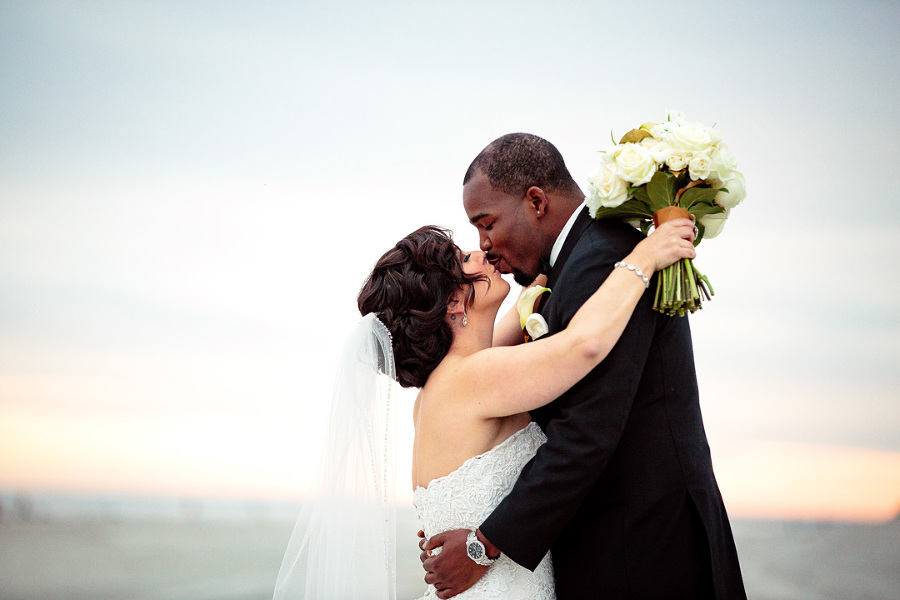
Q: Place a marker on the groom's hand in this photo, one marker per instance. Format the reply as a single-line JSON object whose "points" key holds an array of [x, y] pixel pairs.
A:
{"points": [[450, 571]]}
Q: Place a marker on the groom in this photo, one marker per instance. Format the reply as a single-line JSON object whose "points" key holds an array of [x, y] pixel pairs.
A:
{"points": [[623, 492]]}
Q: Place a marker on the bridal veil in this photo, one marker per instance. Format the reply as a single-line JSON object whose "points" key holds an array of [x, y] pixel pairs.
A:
{"points": [[343, 546]]}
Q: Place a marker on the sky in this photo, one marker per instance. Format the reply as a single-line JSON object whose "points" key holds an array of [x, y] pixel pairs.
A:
{"points": [[192, 193]]}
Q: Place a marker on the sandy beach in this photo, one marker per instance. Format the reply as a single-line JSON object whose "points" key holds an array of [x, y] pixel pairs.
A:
{"points": [[192, 557]]}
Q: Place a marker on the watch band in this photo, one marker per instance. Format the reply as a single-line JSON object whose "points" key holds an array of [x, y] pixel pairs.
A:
{"points": [[477, 552]]}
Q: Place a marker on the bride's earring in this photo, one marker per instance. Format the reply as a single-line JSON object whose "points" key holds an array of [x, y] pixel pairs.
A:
{"points": [[465, 320]]}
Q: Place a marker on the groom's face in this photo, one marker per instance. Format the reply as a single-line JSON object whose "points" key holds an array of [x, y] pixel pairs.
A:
{"points": [[505, 228]]}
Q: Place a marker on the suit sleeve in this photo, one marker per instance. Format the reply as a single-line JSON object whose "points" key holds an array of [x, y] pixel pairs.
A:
{"points": [[587, 426]]}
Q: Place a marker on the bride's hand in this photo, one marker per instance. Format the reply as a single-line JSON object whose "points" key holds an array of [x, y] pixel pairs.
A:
{"points": [[669, 243]]}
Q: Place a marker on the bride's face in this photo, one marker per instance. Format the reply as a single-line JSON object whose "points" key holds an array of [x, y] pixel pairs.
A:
{"points": [[476, 263]]}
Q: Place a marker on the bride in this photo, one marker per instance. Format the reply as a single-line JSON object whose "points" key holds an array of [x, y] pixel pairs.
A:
{"points": [[473, 433]]}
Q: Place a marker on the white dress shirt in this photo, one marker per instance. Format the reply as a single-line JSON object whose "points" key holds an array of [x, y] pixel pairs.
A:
{"points": [[558, 244]]}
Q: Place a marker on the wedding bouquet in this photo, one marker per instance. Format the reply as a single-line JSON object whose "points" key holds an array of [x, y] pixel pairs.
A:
{"points": [[662, 171]]}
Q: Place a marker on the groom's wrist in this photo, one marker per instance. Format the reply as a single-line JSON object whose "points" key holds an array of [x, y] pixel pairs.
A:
{"points": [[490, 550]]}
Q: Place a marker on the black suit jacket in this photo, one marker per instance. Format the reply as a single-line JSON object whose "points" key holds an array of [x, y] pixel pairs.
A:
{"points": [[623, 490]]}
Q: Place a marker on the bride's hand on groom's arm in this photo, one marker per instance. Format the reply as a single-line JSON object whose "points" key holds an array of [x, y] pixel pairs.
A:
{"points": [[450, 571]]}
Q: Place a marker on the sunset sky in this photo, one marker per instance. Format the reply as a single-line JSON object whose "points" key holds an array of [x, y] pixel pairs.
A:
{"points": [[191, 194]]}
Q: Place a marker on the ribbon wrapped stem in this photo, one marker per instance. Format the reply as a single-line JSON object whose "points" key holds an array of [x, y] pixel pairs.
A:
{"points": [[679, 287]]}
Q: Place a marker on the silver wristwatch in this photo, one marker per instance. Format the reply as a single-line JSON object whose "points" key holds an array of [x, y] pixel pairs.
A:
{"points": [[475, 550]]}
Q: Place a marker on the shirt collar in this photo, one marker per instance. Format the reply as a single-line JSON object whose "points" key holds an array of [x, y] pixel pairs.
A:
{"points": [[558, 244]]}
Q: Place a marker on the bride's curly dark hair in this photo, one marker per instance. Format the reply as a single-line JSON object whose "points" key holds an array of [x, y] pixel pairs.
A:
{"points": [[409, 289]]}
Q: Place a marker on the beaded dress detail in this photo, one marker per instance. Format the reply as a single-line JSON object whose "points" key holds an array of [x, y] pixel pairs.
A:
{"points": [[465, 497]]}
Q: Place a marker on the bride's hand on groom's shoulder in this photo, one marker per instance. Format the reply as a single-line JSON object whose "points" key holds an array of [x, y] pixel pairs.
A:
{"points": [[449, 570]]}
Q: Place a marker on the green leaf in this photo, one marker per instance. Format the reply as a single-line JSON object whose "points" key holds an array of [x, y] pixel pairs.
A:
{"points": [[630, 209], [634, 136], [701, 210], [642, 204], [623, 212], [698, 195], [640, 193], [661, 190]]}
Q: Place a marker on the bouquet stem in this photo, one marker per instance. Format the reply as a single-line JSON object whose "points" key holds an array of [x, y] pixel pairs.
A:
{"points": [[679, 289]]}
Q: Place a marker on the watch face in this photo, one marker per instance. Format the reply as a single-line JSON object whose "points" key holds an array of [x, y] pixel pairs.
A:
{"points": [[475, 551]]}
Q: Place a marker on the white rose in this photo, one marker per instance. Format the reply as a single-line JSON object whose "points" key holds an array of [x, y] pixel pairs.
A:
{"points": [[606, 188], [699, 166], [593, 201], [635, 163], [722, 164], [736, 191], [651, 144], [713, 224], [536, 326], [690, 137], [677, 160], [661, 152], [715, 136]]}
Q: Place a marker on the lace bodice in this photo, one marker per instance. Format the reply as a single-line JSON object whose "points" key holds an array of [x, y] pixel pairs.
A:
{"points": [[465, 497]]}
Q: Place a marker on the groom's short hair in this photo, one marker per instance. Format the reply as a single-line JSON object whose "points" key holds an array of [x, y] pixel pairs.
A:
{"points": [[516, 161]]}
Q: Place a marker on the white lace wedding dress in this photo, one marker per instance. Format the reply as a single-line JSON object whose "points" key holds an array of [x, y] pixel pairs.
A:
{"points": [[465, 497]]}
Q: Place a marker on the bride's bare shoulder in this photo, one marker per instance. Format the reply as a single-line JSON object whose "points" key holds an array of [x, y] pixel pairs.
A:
{"points": [[451, 381]]}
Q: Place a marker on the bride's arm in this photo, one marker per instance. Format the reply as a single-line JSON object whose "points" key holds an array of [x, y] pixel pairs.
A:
{"points": [[508, 330], [510, 380]]}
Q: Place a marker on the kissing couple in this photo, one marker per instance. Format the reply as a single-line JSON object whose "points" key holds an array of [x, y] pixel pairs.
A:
{"points": [[573, 466]]}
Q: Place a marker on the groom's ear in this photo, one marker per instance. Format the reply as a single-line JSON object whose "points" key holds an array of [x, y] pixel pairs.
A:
{"points": [[536, 197]]}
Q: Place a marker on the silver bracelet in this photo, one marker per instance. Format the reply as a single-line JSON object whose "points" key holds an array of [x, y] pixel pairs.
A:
{"points": [[637, 271]]}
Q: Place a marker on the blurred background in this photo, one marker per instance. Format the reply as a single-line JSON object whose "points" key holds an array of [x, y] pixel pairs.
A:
{"points": [[191, 194]]}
